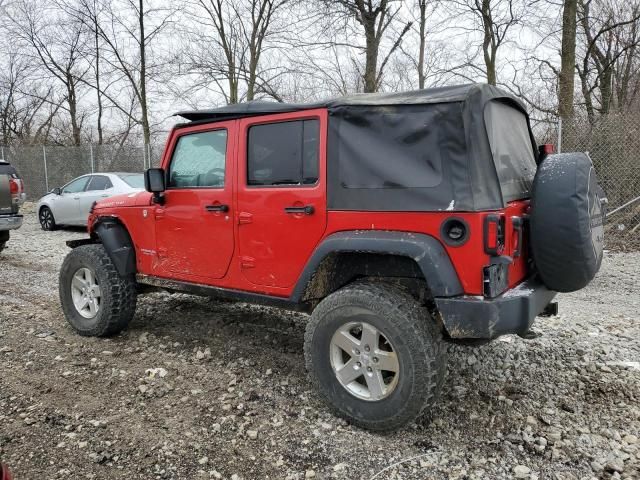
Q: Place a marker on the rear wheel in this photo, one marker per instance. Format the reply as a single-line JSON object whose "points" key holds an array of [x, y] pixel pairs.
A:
{"points": [[47, 222], [95, 299], [375, 355]]}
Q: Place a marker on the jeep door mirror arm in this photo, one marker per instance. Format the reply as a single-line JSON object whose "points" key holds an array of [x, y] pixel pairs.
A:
{"points": [[155, 182]]}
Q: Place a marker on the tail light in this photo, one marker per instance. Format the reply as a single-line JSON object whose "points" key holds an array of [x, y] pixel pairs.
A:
{"points": [[494, 234], [16, 188], [544, 150], [5, 474]]}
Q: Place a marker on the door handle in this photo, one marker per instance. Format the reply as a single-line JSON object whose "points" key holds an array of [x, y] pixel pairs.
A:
{"points": [[307, 209], [76, 198], [217, 208]]}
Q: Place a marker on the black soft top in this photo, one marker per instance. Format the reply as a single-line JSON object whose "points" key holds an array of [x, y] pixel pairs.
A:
{"points": [[459, 148], [474, 93]]}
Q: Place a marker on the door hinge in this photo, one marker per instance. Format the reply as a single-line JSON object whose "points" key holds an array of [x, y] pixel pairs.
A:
{"points": [[159, 213], [244, 218], [247, 262]]}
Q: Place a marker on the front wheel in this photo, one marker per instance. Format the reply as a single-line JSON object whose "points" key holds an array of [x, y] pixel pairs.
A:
{"points": [[47, 222], [375, 355], [96, 300], [4, 238]]}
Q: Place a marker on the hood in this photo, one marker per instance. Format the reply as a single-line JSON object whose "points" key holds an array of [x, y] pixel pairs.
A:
{"points": [[133, 199]]}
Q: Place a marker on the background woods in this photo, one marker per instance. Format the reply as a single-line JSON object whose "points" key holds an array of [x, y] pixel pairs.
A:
{"points": [[113, 71]]}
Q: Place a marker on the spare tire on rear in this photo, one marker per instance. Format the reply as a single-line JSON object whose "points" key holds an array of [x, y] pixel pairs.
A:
{"points": [[567, 231]]}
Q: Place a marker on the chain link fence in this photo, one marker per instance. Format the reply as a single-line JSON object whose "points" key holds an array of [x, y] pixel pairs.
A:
{"points": [[45, 167], [613, 143]]}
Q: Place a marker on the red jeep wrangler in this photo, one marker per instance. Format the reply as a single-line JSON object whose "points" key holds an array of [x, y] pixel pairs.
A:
{"points": [[398, 221]]}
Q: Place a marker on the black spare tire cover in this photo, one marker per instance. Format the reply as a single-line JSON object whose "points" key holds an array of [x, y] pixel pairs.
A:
{"points": [[567, 231]]}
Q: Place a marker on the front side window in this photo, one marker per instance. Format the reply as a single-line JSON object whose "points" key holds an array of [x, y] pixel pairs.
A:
{"points": [[285, 153], [76, 186], [99, 182], [199, 160]]}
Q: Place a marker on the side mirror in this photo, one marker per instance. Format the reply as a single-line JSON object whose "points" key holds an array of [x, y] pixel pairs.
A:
{"points": [[56, 191], [154, 182]]}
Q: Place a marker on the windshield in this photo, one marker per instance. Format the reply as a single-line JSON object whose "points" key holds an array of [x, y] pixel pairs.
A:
{"points": [[511, 148], [135, 180]]}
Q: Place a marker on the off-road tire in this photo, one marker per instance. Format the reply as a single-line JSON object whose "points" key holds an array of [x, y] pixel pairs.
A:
{"points": [[4, 238], [415, 338], [119, 295]]}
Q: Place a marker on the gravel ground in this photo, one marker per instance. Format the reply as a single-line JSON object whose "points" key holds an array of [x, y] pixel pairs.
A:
{"points": [[203, 389]]}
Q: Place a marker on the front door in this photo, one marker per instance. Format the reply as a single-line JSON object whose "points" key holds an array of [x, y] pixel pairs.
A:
{"points": [[66, 206], [194, 229], [281, 195]]}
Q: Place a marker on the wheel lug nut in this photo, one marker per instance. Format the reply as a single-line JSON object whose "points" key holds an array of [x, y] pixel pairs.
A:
{"points": [[356, 351], [366, 348], [369, 369], [375, 359], [358, 364]]}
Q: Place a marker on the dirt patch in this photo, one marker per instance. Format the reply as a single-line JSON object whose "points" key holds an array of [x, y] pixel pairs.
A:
{"points": [[203, 389]]}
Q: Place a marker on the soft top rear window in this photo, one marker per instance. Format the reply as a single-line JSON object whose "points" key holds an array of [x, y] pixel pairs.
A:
{"points": [[512, 150]]}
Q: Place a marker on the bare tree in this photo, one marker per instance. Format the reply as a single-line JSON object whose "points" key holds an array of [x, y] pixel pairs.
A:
{"points": [[238, 30], [126, 24], [567, 59], [610, 33], [56, 42], [375, 17], [494, 19]]}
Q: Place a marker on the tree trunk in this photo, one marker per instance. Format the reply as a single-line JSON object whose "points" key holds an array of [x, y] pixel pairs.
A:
{"points": [[371, 61], [146, 130], [73, 109], [97, 70], [488, 45], [567, 59], [423, 21]]}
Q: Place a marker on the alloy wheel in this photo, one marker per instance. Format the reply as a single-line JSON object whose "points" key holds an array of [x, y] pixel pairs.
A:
{"points": [[85, 293], [364, 361]]}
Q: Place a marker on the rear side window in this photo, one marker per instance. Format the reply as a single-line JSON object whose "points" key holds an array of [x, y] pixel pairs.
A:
{"points": [[390, 148], [285, 153], [199, 160], [511, 148], [99, 182], [134, 181]]}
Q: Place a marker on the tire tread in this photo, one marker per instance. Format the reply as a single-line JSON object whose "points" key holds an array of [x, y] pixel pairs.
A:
{"points": [[415, 325]]}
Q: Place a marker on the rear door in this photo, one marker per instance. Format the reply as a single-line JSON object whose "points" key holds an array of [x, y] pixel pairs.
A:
{"points": [[194, 229], [281, 194], [99, 187]]}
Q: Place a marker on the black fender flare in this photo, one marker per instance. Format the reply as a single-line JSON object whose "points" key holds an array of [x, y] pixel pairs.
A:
{"points": [[428, 253], [118, 244]]}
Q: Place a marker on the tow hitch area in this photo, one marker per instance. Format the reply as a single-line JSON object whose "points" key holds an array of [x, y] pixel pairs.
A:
{"points": [[550, 310]]}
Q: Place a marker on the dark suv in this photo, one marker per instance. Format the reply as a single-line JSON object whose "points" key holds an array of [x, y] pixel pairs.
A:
{"points": [[398, 221], [11, 197]]}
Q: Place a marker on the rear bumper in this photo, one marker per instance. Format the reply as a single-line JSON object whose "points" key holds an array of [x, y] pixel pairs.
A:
{"points": [[10, 222], [468, 317]]}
